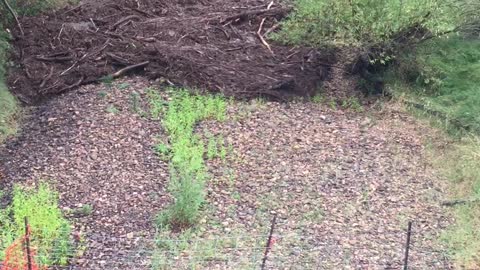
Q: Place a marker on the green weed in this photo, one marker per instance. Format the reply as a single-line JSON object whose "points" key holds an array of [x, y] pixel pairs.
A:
{"points": [[102, 94], [318, 99], [352, 103], [123, 86], [135, 100], [212, 147], [163, 151], [50, 231], [82, 211], [112, 109], [187, 169]]}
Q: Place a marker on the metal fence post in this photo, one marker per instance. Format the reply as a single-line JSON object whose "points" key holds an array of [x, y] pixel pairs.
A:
{"points": [[407, 246], [268, 246], [27, 245]]}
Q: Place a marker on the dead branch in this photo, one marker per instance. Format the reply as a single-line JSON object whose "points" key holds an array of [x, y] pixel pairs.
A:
{"points": [[266, 12], [47, 78], [71, 86], [259, 32], [124, 70], [128, 18], [118, 59], [54, 59], [271, 29], [14, 14]]}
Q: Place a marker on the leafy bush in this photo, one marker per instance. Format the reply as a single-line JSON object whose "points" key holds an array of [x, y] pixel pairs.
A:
{"points": [[50, 231], [360, 22]]}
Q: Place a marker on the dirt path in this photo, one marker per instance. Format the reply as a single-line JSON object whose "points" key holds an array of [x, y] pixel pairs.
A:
{"points": [[343, 183]]}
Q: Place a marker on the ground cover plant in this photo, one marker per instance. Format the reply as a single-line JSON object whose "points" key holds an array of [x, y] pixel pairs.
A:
{"points": [[50, 231]]}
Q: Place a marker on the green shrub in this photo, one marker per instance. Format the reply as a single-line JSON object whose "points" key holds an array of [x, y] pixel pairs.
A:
{"points": [[360, 22], [50, 231]]}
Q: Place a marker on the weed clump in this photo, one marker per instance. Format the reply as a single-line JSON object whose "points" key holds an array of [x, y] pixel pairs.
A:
{"points": [[186, 151], [50, 231]]}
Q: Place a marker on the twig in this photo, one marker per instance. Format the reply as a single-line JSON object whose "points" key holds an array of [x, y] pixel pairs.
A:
{"points": [[131, 17], [239, 48], [126, 69], [259, 32], [14, 14], [72, 85], [60, 32], [94, 25], [48, 77], [271, 29], [73, 9], [270, 5], [54, 59]]}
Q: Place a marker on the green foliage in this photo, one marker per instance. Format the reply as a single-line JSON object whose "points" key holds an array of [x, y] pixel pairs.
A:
{"points": [[50, 231], [318, 98], [187, 168], [112, 109], [443, 75], [359, 22]]}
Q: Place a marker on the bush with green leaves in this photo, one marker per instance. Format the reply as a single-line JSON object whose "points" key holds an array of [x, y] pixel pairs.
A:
{"points": [[50, 231], [186, 150], [360, 22]]}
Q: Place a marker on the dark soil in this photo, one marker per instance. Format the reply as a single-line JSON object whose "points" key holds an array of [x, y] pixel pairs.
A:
{"points": [[208, 44]]}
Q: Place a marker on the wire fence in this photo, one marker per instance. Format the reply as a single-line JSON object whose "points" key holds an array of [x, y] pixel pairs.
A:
{"points": [[274, 250]]}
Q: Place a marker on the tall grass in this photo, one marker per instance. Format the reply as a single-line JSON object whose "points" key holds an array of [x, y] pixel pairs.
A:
{"points": [[187, 167]]}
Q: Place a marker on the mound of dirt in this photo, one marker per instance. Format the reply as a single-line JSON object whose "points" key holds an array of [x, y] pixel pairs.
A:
{"points": [[210, 44]]}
